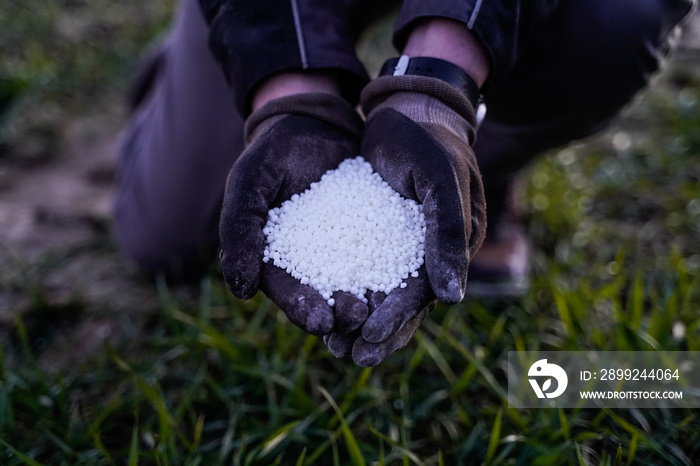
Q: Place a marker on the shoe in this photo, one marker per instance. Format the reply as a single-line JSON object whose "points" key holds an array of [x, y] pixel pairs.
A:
{"points": [[501, 267]]}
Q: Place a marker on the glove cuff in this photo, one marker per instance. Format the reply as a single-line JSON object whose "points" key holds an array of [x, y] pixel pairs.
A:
{"points": [[462, 116], [322, 106], [382, 87]]}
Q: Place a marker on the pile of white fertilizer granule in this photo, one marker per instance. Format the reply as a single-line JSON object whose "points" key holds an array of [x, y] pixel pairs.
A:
{"points": [[350, 232]]}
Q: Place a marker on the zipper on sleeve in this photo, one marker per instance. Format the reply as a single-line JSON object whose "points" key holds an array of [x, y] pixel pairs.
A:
{"points": [[300, 36], [474, 15]]}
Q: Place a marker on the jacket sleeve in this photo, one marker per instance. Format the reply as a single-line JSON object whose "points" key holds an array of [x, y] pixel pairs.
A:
{"points": [[502, 26], [255, 39]]}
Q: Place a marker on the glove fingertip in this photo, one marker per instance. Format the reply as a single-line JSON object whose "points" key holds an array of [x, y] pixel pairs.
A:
{"points": [[366, 354], [450, 294], [364, 361], [339, 345], [350, 312], [243, 280], [302, 305], [448, 284], [317, 320]]}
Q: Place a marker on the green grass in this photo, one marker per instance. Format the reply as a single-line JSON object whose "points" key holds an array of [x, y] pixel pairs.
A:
{"points": [[225, 382], [208, 379]]}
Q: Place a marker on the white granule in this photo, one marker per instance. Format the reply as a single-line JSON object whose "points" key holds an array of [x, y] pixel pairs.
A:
{"points": [[350, 232]]}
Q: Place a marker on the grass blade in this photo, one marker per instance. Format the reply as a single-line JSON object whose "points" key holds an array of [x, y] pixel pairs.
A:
{"points": [[438, 357], [495, 436], [134, 448], [276, 438], [198, 428], [300, 460], [632, 448], [564, 424], [564, 311], [618, 456], [408, 454], [579, 456], [20, 455], [350, 440], [97, 440], [311, 460]]}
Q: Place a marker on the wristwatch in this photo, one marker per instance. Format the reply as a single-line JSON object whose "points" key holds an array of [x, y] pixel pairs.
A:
{"points": [[435, 68]]}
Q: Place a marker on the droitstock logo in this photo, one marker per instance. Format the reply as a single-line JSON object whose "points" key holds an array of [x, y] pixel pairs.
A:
{"points": [[546, 371]]}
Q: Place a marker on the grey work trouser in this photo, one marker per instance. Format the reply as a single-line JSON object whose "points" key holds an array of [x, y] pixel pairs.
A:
{"points": [[577, 72]]}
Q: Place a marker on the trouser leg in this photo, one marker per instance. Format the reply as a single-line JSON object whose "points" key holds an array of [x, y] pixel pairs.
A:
{"points": [[175, 155], [582, 65], [580, 68]]}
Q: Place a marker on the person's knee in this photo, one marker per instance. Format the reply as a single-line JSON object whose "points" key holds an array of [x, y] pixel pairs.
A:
{"points": [[156, 250], [154, 244]]}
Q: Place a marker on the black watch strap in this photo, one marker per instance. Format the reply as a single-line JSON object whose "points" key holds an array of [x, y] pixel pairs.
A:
{"points": [[434, 68]]}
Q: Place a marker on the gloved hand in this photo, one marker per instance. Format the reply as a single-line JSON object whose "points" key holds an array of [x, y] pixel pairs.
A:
{"points": [[418, 137], [290, 143], [394, 331]]}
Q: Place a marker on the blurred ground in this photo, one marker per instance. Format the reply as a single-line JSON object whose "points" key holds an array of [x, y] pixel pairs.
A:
{"points": [[62, 80], [56, 249], [55, 228]]}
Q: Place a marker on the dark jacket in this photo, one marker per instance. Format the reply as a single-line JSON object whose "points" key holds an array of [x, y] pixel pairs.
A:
{"points": [[254, 39]]}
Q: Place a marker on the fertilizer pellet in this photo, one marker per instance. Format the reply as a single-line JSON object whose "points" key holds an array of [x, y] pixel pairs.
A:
{"points": [[348, 232]]}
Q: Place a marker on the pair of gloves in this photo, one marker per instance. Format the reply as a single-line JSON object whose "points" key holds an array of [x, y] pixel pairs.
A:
{"points": [[417, 136]]}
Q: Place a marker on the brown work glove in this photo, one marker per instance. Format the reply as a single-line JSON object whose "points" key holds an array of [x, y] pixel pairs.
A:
{"points": [[290, 143], [418, 137]]}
